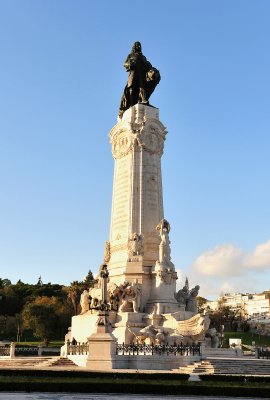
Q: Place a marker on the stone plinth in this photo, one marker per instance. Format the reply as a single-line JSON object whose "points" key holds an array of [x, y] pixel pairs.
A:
{"points": [[102, 351], [102, 345]]}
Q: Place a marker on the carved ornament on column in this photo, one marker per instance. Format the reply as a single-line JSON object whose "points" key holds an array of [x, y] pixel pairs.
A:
{"points": [[135, 245], [151, 137], [148, 135], [107, 252]]}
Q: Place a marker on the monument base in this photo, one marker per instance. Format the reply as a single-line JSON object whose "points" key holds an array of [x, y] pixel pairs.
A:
{"points": [[126, 326], [102, 352]]}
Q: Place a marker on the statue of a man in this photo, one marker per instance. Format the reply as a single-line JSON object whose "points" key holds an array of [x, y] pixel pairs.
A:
{"points": [[192, 300], [164, 247], [142, 79], [182, 296]]}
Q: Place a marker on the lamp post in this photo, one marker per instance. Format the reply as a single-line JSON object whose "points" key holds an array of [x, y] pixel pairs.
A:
{"points": [[103, 322], [221, 335]]}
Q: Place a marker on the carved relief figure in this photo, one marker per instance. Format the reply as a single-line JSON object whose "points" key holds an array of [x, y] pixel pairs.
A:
{"points": [[84, 302], [135, 245], [182, 295], [116, 294], [131, 296], [107, 252], [188, 298], [142, 79], [192, 300], [159, 335], [150, 332], [167, 275], [214, 337], [95, 297], [95, 293]]}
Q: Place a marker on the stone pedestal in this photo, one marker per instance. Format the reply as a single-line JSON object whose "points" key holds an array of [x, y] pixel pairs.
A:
{"points": [[102, 346], [102, 352]]}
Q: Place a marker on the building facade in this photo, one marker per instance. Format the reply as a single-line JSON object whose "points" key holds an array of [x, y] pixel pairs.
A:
{"points": [[245, 305]]}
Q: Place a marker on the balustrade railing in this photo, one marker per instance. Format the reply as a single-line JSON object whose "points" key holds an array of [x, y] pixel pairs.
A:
{"points": [[77, 349], [137, 349]]}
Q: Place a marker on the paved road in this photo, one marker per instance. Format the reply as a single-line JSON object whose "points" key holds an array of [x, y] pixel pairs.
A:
{"points": [[75, 396]]}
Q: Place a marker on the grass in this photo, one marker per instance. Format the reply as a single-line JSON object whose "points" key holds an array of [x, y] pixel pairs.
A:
{"points": [[51, 344], [101, 383], [248, 338]]}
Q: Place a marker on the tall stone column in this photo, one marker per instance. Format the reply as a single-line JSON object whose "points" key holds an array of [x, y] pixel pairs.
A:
{"points": [[137, 203]]}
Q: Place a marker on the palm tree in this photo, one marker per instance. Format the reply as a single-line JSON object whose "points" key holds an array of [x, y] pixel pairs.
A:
{"points": [[74, 294]]}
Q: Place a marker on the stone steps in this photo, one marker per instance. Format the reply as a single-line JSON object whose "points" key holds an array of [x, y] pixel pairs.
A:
{"points": [[229, 366], [39, 362], [198, 368], [62, 362], [20, 362]]}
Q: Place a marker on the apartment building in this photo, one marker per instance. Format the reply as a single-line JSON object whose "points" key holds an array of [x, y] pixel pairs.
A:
{"points": [[246, 305]]}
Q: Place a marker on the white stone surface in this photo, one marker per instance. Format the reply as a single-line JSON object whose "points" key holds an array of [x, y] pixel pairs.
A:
{"points": [[137, 203], [137, 145], [102, 351], [138, 255], [84, 325]]}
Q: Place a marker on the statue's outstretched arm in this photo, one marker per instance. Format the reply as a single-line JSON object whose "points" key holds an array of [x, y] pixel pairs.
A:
{"points": [[129, 63]]}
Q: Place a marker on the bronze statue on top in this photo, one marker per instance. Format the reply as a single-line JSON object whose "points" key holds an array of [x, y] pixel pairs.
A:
{"points": [[142, 79]]}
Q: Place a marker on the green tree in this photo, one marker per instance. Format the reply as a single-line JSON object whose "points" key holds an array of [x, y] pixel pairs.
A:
{"points": [[3, 321], [74, 292], [9, 303], [89, 279], [225, 315], [47, 317], [41, 319], [201, 302], [4, 282], [8, 327]]}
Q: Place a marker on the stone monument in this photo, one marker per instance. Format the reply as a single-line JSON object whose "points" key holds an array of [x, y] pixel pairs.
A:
{"points": [[142, 303]]}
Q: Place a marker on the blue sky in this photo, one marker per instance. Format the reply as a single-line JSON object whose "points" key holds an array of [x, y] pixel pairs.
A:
{"points": [[61, 80]]}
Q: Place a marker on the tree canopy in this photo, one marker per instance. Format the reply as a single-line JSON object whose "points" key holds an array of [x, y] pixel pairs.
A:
{"points": [[42, 311]]}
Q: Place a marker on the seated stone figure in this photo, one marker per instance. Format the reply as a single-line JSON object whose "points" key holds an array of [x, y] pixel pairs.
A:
{"points": [[214, 337], [84, 302]]}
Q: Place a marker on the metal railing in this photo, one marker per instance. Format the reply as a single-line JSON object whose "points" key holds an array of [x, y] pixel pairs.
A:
{"points": [[26, 351], [263, 353], [5, 351], [137, 349]]}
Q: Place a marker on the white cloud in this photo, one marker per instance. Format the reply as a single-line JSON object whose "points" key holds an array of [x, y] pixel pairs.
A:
{"points": [[228, 260], [227, 268], [222, 261], [260, 258]]}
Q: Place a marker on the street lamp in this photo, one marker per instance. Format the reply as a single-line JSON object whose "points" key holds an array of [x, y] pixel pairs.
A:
{"points": [[221, 335]]}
